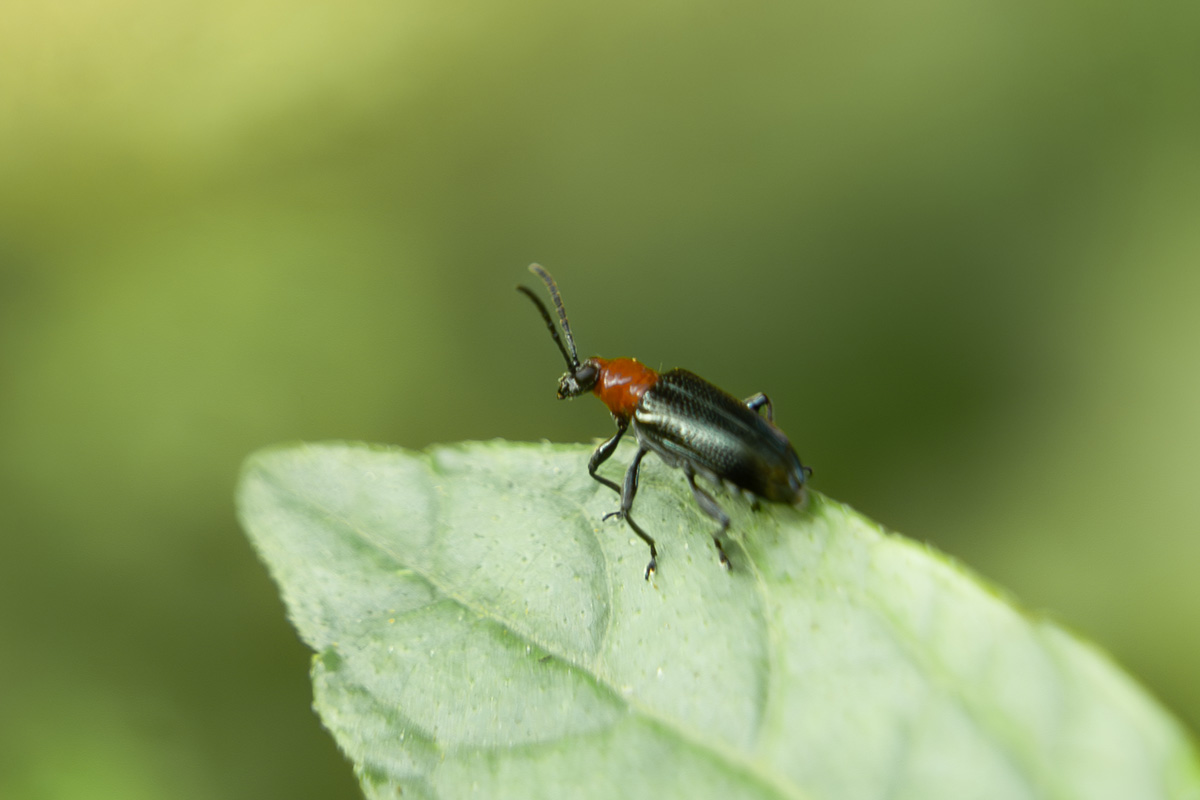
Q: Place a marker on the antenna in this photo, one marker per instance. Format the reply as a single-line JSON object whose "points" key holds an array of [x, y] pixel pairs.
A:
{"points": [[573, 366], [537, 269], [571, 358]]}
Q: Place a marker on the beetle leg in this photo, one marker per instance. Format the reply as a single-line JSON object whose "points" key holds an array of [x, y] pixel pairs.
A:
{"points": [[602, 454], [710, 507], [627, 495], [759, 400]]}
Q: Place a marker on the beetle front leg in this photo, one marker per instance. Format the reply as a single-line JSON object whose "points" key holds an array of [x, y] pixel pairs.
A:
{"points": [[603, 453], [709, 506], [627, 495], [755, 402]]}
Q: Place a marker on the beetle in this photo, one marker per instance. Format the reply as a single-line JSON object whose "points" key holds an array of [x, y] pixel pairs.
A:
{"points": [[683, 419]]}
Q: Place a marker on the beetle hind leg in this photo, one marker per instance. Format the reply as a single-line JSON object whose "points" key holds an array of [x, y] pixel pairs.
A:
{"points": [[709, 506], [755, 402]]}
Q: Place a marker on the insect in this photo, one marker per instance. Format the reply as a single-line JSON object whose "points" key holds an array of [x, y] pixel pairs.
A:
{"points": [[683, 419]]}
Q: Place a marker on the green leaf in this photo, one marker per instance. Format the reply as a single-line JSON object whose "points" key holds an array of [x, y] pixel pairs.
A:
{"points": [[479, 630]]}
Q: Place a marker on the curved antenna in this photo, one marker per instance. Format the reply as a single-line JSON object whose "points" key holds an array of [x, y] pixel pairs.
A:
{"points": [[537, 269], [572, 366], [573, 358]]}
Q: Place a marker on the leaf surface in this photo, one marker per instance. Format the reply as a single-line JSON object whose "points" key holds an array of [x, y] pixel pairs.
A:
{"points": [[479, 630]]}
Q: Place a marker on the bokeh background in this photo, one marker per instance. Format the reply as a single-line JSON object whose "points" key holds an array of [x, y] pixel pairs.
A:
{"points": [[957, 243]]}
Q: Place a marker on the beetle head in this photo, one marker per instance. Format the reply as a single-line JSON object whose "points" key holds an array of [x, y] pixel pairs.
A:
{"points": [[579, 381]]}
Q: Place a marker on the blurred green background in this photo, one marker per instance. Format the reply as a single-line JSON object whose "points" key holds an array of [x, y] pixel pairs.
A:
{"points": [[957, 243]]}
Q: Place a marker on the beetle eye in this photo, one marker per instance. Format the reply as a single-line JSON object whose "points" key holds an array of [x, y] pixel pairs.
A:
{"points": [[586, 376]]}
